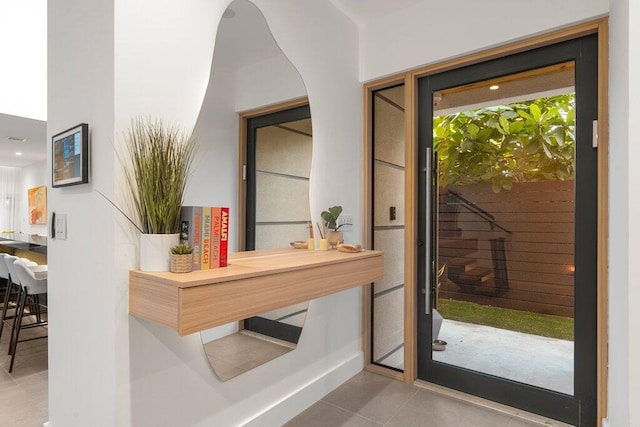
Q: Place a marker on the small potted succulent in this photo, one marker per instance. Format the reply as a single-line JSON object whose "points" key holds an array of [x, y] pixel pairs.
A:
{"points": [[330, 218], [181, 259]]}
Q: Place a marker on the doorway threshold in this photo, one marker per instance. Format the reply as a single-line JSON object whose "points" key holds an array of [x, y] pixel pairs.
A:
{"points": [[490, 405]]}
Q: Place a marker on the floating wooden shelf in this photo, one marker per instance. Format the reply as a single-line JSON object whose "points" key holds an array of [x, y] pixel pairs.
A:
{"points": [[253, 283]]}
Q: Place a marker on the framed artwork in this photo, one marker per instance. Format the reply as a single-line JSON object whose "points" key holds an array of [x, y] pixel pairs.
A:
{"points": [[71, 156], [37, 205]]}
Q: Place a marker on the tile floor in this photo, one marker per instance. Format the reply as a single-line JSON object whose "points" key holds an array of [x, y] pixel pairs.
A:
{"points": [[366, 400], [372, 400], [24, 392]]}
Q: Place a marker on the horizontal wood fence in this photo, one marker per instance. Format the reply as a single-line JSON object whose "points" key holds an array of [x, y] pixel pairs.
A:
{"points": [[539, 250]]}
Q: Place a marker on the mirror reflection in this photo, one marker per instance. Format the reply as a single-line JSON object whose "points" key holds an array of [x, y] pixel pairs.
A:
{"points": [[278, 150]]}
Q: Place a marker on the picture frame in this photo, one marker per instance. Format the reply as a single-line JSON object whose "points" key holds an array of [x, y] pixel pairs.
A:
{"points": [[70, 156]]}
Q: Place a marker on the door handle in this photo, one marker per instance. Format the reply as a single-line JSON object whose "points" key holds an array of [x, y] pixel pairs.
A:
{"points": [[427, 243]]}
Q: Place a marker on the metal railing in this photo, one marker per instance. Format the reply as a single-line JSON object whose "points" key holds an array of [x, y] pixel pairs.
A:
{"points": [[476, 210]]}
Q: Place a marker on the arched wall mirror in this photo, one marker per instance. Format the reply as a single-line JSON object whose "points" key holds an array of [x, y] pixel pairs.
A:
{"points": [[276, 146]]}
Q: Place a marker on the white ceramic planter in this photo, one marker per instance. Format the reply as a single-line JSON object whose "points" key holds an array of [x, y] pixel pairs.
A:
{"points": [[155, 251]]}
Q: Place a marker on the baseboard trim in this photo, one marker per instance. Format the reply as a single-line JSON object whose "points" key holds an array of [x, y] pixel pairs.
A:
{"points": [[308, 394]]}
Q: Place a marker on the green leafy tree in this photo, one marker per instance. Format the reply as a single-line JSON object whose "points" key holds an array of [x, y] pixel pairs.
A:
{"points": [[520, 142]]}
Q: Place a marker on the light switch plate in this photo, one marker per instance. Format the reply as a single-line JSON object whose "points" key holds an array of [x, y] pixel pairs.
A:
{"points": [[61, 226]]}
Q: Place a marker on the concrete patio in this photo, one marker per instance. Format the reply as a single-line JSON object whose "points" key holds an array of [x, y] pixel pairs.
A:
{"points": [[531, 359]]}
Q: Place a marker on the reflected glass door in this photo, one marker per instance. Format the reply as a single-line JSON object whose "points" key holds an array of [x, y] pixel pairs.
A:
{"points": [[509, 207], [279, 147]]}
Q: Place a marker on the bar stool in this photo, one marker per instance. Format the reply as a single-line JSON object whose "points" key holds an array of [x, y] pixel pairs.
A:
{"points": [[6, 287], [12, 290], [31, 287], [4, 271], [15, 288]]}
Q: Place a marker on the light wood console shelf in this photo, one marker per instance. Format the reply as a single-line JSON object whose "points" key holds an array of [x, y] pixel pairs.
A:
{"points": [[253, 283]]}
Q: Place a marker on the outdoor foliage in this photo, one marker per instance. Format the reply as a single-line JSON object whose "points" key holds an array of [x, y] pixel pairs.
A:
{"points": [[521, 142]]}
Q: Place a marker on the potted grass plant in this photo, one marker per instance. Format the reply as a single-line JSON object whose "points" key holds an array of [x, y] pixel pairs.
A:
{"points": [[156, 173]]}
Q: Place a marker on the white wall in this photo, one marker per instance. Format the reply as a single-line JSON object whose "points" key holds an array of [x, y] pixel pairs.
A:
{"points": [[31, 176], [624, 209], [329, 350], [430, 32], [400, 41], [106, 367]]}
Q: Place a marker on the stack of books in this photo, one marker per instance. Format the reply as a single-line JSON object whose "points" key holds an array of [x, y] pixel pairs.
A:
{"points": [[206, 230]]}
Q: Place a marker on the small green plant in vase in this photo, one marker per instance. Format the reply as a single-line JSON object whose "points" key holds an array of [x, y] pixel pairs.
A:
{"points": [[181, 259], [330, 218]]}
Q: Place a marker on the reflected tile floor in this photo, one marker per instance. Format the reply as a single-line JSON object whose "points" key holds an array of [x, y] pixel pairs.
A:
{"points": [[237, 353], [373, 400], [24, 392]]}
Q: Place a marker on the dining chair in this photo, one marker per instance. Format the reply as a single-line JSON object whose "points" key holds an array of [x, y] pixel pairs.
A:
{"points": [[31, 287]]}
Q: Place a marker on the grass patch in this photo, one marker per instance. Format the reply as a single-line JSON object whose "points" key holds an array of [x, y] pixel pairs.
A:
{"points": [[513, 320]]}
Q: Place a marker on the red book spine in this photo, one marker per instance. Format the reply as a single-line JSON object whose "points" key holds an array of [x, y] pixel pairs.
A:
{"points": [[224, 236]]}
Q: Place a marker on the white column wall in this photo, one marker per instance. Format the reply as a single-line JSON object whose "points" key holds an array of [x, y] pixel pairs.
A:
{"points": [[83, 302], [634, 213], [624, 209]]}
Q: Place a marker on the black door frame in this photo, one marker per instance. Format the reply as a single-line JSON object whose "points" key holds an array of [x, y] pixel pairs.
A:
{"points": [[581, 408]]}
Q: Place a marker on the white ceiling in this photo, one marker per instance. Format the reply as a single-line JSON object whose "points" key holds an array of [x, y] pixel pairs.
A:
{"points": [[240, 42], [363, 11], [33, 149]]}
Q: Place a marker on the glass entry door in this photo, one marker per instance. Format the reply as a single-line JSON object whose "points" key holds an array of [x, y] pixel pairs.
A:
{"points": [[508, 207]]}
